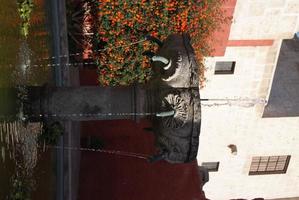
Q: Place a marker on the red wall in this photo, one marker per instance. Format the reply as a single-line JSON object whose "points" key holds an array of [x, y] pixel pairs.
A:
{"points": [[88, 77], [221, 36], [106, 176]]}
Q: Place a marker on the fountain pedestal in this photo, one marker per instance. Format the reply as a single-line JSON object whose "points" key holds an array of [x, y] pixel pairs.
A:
{"points": [[9, 104], [87, 103]]}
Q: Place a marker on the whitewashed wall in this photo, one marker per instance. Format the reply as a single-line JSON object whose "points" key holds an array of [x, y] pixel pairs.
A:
{"points": [[244, 127], [253, 136], [265, 19]]}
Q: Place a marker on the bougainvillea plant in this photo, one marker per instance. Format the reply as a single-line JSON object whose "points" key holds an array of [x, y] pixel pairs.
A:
{"points": [[119, 23]]}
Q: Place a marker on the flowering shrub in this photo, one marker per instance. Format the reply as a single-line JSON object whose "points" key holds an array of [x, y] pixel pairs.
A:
{"points": [[123, 22]]}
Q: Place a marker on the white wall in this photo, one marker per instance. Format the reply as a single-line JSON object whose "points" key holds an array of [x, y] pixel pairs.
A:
{"points": [[244, 127], [265, 19], [253, 136]]}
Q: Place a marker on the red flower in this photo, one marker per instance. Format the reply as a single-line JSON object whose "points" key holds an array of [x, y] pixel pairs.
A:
{"points": [[105, 39], [103, 72], [154, 34]]}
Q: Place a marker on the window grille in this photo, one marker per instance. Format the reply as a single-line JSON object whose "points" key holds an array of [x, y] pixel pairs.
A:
{"points": [[269, 165]]}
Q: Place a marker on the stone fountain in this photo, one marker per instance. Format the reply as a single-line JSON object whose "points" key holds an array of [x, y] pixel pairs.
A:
{"points": [[176, 88], [171, 100]]}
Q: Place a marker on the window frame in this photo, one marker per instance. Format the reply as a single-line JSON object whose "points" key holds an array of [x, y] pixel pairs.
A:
{"points": [[211, 169], [225, 72], [286, 162]]}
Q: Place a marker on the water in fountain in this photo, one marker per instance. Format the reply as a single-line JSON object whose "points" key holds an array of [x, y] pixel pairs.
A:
{"points": [[18, 140]]}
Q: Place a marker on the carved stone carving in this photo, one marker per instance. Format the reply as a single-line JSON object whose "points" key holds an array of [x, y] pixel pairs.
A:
{"points": [[183, 72], [176, 88], [179, 106]]}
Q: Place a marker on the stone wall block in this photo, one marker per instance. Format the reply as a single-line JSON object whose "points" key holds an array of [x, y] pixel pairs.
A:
{"points": [[292, 7]]}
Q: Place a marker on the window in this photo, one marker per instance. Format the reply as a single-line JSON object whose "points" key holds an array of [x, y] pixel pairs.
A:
{"points": [[211, 166], [225, 67], [269, 165]]}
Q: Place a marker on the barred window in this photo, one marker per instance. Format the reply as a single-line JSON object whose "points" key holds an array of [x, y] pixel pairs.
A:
{"points": [[211, 166], [261, 165], [227, 67]]}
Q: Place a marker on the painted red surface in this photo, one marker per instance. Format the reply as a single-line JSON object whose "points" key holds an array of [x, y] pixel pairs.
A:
{"points": [[221, 36], [113, 177], [250, 42], [88, 77]]}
